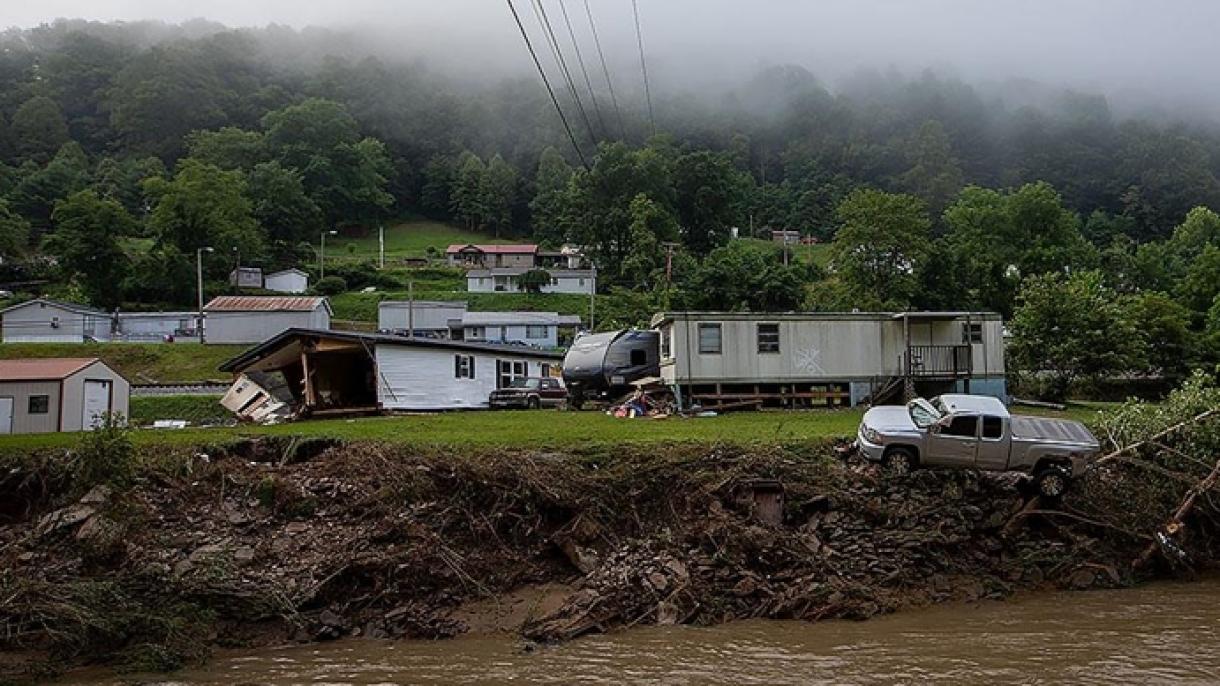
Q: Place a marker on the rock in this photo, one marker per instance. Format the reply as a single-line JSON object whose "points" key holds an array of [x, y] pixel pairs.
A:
{"points": [[666, 613], [244, 555], [678, 569], [658, 581], [295, 528], [1082, 579], [331, 618], [64, 518]]}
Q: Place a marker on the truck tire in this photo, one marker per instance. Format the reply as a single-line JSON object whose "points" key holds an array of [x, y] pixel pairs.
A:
{"points": [[1052, 482], [898, 461], [533, 403]]}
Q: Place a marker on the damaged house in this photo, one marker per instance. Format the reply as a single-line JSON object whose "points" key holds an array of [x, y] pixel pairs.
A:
{"points": [[341, 372]]}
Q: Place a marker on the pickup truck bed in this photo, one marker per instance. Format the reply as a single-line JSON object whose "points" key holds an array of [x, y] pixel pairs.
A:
{"points": [[1050, 430]]}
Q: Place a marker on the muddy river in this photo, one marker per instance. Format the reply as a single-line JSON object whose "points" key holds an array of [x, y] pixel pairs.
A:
{"points": [[1163, 633]]}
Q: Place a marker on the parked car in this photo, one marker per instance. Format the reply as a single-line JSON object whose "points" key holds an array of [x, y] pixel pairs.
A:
{"points": [[531, 392], [977, 432]]}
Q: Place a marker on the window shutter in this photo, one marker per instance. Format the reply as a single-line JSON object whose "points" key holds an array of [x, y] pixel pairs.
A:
{"points": [[457, 366], [471, 358]]}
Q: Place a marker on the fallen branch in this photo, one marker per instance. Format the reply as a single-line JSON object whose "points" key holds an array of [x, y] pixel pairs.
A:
{"points": [[1154, 438], [1175, 524]]}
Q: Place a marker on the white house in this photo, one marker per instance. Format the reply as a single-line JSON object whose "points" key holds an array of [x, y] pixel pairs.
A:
{"points": [[287, 281], [538, 329], [507, 280], [256, 318], [51, 321], [343, 371], [59, 394], [155, 327], [246, 277], [426, 317]]}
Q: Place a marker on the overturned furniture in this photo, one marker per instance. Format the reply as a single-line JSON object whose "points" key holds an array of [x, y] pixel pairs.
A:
{"points": [[252, 402]]}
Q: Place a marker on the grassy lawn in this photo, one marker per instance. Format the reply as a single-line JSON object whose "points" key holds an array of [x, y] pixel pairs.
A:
{"points": [[539, 429], [141, 363], [410, 238], [145, 409]]}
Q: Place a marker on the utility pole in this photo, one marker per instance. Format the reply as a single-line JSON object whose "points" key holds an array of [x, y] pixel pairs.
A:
{"points": [[592, 294], [199, 283], [669, 262], [322, 254], [381, 246], [236, 270], [411, 309]]}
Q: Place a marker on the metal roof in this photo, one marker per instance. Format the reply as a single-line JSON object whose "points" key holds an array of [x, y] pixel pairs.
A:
{"points": [[265, 348], [494, 249], [71, 307], [661, 317], [265, 303], [43, 369], [291, 270], [424, 304], [510, 318]]}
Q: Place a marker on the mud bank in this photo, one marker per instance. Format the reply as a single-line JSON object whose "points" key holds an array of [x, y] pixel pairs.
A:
{"points": [[266, 543]]}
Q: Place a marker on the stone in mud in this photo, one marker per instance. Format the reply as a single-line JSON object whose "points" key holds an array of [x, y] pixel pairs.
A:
{"points": [[667, 613], [1082, 579]]}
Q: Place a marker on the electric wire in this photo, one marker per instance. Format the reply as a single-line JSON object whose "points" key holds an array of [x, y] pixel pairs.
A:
{"points": [[549, 32], [618, 113], [547, 82], [639, 36], [580, 60]]}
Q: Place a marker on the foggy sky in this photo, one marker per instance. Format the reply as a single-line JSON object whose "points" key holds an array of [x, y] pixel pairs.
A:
{"points": [[1162, 51]]}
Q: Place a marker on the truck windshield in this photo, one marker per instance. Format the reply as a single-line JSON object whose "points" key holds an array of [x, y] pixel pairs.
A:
{"points": [[922, 413]]}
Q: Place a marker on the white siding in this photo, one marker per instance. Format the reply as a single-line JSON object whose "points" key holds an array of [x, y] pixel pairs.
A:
{"points": [[482, 282], [419, 378], [286, 282], [20, 392], [428, 316], [40, 322], [74, 394], [513, 333], [256, 327]]}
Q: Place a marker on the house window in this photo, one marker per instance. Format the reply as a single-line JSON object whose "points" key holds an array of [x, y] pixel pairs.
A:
{"points": [[972, 333], [545, 370], [535, 331], [768, 338], [40, 404], [667, 343], [463, 366], [709, 339], [54, 322], [509, 370]]}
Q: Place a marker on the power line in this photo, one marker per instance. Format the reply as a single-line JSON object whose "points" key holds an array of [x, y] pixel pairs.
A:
{"points": [[606, 71], [546, 82], [563, 66], [580, 60], [639, 36]]}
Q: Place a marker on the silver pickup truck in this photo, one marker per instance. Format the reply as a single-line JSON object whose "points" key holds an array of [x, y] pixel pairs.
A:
{"points": [[977, 432]]}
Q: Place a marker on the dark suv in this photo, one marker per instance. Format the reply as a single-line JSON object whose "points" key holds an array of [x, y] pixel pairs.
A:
{"points": [[532, 392]]}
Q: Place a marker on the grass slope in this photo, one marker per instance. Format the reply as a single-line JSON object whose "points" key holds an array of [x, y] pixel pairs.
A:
{"points": [[140, 363], [538, 429], [410, 238]]}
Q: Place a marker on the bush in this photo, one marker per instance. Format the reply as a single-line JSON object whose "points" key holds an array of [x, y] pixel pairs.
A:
{"points": [[105, 455], [331, 285]]}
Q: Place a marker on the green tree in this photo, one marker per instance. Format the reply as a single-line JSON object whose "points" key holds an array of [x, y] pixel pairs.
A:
{"points": [[499, 193], [709, 193], [551, 183], [466, 197], [227, 148], [14, 232], [1165, 324], [533, 280], [161, 275], [38, 189], [280, 205], [743, 275], [39, 129], [934, 174], [1073, 327], [87, 229], [651, 225], [881, 245], [438, 179], [1201, 283], [204, 205]]}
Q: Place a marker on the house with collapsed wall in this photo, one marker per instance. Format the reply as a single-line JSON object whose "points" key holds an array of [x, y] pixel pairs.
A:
{"points": [[341, 372], [801, 359]]}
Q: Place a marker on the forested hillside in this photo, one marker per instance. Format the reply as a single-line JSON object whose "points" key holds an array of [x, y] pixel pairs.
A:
{"points": [[126, 147]]}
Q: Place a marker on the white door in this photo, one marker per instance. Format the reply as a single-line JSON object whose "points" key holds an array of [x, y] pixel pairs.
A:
{"points": [[6, 415], [97, 403]]}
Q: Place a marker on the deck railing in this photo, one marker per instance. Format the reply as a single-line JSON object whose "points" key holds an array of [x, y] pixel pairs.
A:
{"points": [[939, 360]]}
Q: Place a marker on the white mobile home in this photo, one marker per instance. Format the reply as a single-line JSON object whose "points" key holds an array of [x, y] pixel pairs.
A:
{"points": [[508, 280], [51, 321], [343, 372], [156, 327], [59, 394], [427, 317], [537, 329], [287, 281], [253, 319], [833, 358]]}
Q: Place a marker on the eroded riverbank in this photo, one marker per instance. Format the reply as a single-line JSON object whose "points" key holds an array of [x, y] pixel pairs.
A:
{"points": [[272, 543]]}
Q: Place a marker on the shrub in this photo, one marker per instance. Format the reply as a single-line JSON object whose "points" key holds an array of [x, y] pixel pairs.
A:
{"points": [[105, 455], [331, 285]]}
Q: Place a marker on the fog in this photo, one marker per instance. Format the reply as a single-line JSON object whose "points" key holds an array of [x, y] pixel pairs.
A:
{"points": [[1139, 54]]}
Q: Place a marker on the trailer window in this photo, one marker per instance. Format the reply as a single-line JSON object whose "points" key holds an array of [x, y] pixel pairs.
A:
{"points": [[463, 366], [768, 338], [709, 339], [639, 358], [972, 333], [993, 427]]}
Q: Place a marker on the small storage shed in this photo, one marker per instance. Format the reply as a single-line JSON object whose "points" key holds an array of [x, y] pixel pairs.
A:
{"points": [[246, 277], [254, 319], [287, 281], [59, 394]]}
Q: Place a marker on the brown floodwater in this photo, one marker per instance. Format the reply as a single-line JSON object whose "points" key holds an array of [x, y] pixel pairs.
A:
{"points": [[1162, 633]]}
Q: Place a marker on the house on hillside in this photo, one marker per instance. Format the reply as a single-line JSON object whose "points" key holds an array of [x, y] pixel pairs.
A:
{"points": [[52, 321], [472, 256], [155, 327], [801, 358], [428, 318], [246, 277], [287, 281], [507, 280], [333, 372], [536, 329], [59, 394], [256, 318]]}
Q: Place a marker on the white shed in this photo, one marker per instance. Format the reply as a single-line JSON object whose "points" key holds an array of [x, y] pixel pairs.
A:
{"points": [[253, 319], [287, 281], [59, 394], [424, 316], [51, 321]]}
